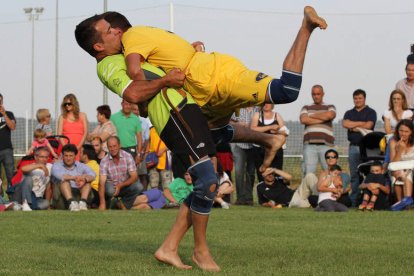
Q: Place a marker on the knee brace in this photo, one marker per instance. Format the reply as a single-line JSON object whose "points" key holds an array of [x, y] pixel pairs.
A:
{"points": [[222, 135], [205, 183], [286, 89]]}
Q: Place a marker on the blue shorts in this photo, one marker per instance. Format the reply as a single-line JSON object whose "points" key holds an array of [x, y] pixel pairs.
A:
{"points": [[155, 198]]}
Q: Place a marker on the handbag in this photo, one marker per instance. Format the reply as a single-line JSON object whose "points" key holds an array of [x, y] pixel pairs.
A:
{"points": [[151, 160]]}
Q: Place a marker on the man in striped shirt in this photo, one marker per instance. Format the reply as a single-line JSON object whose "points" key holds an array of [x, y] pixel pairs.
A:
{"points": [[318, 135]]}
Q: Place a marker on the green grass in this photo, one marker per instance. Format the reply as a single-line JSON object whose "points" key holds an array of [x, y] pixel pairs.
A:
{"points": [[243, 240]]}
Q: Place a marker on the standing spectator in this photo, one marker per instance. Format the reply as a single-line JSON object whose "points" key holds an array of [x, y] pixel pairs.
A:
{"points": [[406, 85], [161, 175], [7, 124], [243, 160], [72, 123], [43, 118], [360, 117], [128, 127], [72, 177], [118, 177], [105, 127], [268, 121], [36, 176], [145, 125], [88, 157], [96, 142], [318, 135]]}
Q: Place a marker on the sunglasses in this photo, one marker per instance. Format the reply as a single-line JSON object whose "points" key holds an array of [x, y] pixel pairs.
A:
{"points": [[331, 157], [67, 104]]}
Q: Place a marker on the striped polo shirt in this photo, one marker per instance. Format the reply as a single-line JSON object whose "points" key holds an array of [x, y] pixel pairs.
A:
{"points": [[318, 133]]}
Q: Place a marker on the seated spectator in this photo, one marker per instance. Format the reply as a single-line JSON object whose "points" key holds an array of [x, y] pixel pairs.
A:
{"points": [[105, 127], [178, 190], [36, 176], [161, 175], [96, 142], [118, 177], [88, 157], [330, 188], [273, 191], [43, 118], [225, 187], [70, 176], [151, 199], [375, 189], [39, 141]]}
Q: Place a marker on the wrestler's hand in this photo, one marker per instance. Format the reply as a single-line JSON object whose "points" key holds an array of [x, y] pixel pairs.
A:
{"points": [[198, 46], [174, 78]]}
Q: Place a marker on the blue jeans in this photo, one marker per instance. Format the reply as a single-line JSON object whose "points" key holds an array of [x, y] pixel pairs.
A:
{"points": [[312, 154], [6, 158], [244, 170], [354, 159]]}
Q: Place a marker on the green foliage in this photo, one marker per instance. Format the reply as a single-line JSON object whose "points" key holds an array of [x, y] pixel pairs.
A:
{"points": [[243, 240]]}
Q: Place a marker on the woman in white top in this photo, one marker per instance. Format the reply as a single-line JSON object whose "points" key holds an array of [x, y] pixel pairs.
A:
{"points": [[398, 110]]}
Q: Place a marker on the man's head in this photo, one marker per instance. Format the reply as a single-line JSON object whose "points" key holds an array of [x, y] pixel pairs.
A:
{"points": [[117, 20], [96, 36], [69, 152], [87, 153], [409, 68], [1, 99], [187, 178], [97, 144], [135, 109], [126, 107], [269, 178], [359, 96], [114, 146], [317, 94], [331, 157], [104, 112], [41, 155], [376, 168]]}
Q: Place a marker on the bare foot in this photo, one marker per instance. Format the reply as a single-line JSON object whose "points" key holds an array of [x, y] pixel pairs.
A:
{"points": [[205, 262], [276, 142], [312, 20], [170, 258]]}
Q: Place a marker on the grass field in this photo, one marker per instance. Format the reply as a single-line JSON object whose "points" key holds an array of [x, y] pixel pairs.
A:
{"points": [[244, 241]]}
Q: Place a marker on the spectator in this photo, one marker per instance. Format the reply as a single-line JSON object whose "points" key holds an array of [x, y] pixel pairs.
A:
{"points": [[406, 85], [142, 166], [36, 176], [330, 188], [128, 128], [375, 189], [268, 121], [402, 149], [397, 111], [72, 123], [318, 135], [96, 142], [361, 117], [178, 190], [41, 141], [105, 127], [88, 157], [151, 199], [244, 160], [118, 177], [161, 175], [273, 191], [72, 177], [225, 157], [7, 124], [43, 118], [225, 187]]}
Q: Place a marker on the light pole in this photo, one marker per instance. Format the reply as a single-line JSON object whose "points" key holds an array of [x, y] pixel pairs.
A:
{"points": [[33, 14]]}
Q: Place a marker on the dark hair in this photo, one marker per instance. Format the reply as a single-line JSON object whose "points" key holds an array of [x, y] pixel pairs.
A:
{"points": [[1, 95], [335, 168], [409, 124], [105, 110], [89, 151], [117, 20], [359, 92], [70, 148], [329, 151], [86, 35], [376, 163]]}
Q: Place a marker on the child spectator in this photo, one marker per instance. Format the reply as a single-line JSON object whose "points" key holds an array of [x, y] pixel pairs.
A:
{"points": [[375, 189], [43, 119], [40, 140], [330, 188], [178, 190]]}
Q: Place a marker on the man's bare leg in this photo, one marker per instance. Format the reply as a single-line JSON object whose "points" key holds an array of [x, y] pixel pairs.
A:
{"points": [[202, 257], [168, 251]]}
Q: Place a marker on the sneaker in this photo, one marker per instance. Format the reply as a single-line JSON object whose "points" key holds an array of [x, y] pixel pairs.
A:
{"points": [[83, 206], [74, 206], [26, 207], [17, 206], [401, 205], [225, 205]]}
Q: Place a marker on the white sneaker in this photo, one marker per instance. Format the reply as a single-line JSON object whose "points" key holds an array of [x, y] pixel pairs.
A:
{"points": [[83, 206], [74, 206], [17, 206], [225, 205], [26, 207]]}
